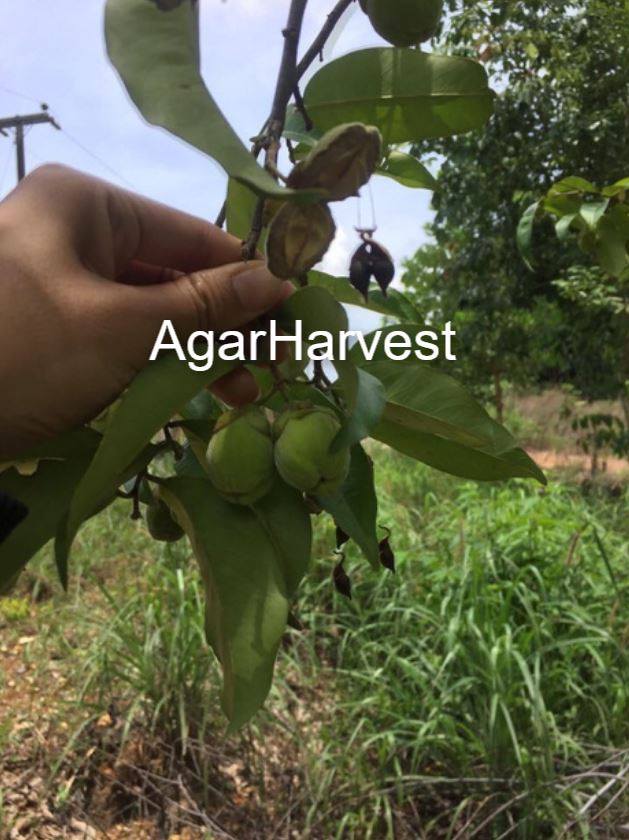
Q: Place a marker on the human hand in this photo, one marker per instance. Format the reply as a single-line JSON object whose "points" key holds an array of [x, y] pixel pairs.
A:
{"points": [[88, 273]]}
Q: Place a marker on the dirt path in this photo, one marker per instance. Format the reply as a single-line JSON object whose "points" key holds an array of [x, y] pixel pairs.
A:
{"points": [[550, 460]]}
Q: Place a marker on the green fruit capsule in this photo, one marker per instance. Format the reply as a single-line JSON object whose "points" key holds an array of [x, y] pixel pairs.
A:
{"points": [[302, 450], [161, 524], [404, 23], [240, 456]]}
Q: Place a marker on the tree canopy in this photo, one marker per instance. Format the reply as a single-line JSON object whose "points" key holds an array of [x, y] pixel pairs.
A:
{"points": [[562, 74]]}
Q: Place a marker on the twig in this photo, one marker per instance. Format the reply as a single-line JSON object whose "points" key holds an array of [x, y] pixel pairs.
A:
{"points": [[175, 446], [619, 777], [301, 107], [270, 136], [222, 215], [286, 81], [134, 495], [279, 381], [316, 49], [250, 245], [290, 74]]}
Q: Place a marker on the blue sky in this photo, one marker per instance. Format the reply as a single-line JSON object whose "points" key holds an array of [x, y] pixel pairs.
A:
{"points": [[54, 52]]}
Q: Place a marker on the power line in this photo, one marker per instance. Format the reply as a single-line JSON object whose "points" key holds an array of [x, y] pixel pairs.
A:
{"points": [[20, 95], [72, 139], [103, 163], [19, 123]]}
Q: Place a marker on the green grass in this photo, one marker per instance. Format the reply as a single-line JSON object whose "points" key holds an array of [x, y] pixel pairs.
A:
{"points": [[473, 694], [498, 651]]}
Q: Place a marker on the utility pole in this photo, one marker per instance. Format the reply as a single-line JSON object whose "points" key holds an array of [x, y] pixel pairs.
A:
{"points": [[18, 124]]}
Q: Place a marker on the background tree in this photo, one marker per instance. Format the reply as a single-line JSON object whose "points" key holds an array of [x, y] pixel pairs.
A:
{"points": [[563, 82]]}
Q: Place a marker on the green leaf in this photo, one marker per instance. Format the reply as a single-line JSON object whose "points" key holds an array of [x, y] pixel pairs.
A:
{"points": [[295, 128], [241, 206], [153, 398], [562, 228], [611, 247], [432, 418], [409, 95], [355, 506], [525, 234], [370, 404], [408, 171], [573, 184], [189, 465], [562, 204], [616, 189], [156, 54], [395, 304], [319, 311], [593, 212], [252, 561], [47, 495], [376, 352], [454, 458], [424, 399]]}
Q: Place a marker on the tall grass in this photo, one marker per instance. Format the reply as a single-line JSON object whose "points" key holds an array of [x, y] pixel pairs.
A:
{"points": [[482, 691]]}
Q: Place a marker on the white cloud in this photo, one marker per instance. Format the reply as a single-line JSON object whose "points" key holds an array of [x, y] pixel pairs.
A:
{"points": [[336, 261]]}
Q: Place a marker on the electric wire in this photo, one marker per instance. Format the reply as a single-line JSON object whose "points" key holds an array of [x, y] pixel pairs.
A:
{"points": [[20, 95], [72, 139], [98, 159]]}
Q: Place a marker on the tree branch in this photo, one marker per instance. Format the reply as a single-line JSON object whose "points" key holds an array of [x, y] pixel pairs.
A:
{"points": [[321, 40], [286, 81], [287, 85], [270, 137]]}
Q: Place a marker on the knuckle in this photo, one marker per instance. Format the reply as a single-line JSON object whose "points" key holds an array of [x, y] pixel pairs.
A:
{"points": [[205, 297], [50, 171]]}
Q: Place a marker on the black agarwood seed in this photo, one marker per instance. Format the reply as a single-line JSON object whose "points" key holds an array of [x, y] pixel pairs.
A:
{"points": [[387, 557], [342, 582]]}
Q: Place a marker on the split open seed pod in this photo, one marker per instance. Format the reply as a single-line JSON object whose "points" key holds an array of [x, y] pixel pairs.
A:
{"points": [[299, 237], [341, 163]]}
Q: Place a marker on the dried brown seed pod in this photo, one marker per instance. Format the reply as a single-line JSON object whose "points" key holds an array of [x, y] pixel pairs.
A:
{"points": [[271, 208], [341, 163], [299, 237]]}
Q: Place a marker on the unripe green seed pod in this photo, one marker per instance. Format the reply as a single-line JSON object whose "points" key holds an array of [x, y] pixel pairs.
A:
{"points": [[343, 161], [240, 456], [161, 523], [299, 237], [302, 450], [404, 23]]}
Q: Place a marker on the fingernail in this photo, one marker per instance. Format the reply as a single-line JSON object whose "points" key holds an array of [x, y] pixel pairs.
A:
{"points": [[257, 289]]}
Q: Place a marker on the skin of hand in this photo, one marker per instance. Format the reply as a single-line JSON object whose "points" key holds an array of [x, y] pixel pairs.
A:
{"points": [[88, 273]]}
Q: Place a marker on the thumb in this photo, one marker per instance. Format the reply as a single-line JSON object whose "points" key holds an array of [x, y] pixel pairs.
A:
{"points": [[222, 298], [218, 299]]}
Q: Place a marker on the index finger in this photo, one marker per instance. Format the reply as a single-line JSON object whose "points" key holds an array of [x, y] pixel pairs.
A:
{"points": [[110, 227]]}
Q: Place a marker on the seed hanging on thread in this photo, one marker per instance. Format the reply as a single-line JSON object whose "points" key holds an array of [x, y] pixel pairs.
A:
{"points": [[371, 259]]}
